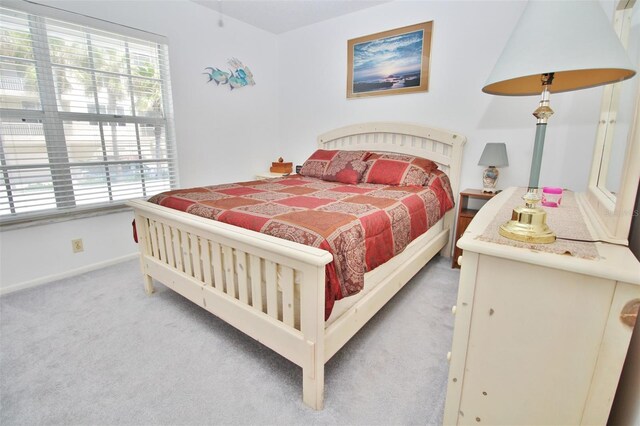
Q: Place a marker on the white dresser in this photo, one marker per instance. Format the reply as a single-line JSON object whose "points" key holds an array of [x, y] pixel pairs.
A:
{"points": [[538, 337]]}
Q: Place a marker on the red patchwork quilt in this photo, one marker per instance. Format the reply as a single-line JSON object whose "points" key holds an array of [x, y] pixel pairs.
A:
{"points": [[361, 225]]}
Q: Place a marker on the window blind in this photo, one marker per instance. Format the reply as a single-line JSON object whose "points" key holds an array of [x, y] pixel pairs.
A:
{"points": [[85, 117]]}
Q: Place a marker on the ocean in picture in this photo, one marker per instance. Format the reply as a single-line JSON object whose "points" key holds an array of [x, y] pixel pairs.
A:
{"points": [[388, 63]]}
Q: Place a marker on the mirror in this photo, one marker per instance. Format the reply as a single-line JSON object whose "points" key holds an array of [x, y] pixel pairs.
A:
{"points": [[618, 105], [615, 170]]}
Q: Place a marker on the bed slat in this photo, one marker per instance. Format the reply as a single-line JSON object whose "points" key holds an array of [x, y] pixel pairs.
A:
{"points": [[146, 231], [241, 271], [153, 231], [286, 282], [272, 288], [229, 271], [206, 261], [217, 266], [166, 231], [177, 249], [196, 257], [185, 244], [256, 282], [161, 242]]}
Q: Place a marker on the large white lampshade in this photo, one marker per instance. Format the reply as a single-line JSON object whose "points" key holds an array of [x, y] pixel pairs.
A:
{"points": [[572, 39]]}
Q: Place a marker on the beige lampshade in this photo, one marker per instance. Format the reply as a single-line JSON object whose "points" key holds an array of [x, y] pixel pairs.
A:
{"points": [[572, 39]]}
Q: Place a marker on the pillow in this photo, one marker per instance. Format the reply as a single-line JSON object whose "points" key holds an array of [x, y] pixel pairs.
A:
{"points": [[439, 183], [346, 167], [398, 169], [436, 175], [317, 163]]}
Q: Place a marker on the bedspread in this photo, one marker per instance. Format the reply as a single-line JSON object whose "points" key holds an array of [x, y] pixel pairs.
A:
{"points": [[361, 225]]}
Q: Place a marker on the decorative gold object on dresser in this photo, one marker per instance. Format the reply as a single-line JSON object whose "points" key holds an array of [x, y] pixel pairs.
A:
{"points": [[465, 214], [541, 330], [528, 223]]}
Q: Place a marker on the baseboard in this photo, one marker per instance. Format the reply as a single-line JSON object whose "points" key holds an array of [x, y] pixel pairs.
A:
{"points": [[66, 274]]}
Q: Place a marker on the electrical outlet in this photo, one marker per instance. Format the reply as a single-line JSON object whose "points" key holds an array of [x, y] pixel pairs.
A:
{"points": [[77, 246]]}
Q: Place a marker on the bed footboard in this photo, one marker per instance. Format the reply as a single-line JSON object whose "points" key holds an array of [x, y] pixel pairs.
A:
{"points": [[245, 278]]}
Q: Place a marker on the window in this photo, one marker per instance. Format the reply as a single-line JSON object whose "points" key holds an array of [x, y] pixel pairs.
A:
{"points": [[85, 115]]}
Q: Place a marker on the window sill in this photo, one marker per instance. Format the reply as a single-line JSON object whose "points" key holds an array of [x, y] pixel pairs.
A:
{"points": [[58, 217]]}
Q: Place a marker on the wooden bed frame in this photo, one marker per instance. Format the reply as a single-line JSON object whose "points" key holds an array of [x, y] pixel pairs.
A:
{"points": [[248, 279]]}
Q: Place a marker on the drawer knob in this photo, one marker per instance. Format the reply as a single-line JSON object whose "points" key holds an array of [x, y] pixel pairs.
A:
{"points": [[448, 356], [454, 308], [629, 314], [460, 260]]}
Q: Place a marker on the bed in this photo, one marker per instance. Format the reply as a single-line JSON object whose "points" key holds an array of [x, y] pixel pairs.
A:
{"points": [[273, 289]]}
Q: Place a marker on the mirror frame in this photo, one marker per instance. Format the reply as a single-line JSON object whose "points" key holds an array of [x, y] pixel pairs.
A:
{"points": [[614, 212], [610, 108]]}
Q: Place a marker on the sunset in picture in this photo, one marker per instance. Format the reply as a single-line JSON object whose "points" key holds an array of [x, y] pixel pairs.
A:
{"points": [[388, 63]]}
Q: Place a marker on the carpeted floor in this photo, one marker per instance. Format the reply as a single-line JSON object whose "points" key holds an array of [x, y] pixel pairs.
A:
{"points": [[95, 350]]}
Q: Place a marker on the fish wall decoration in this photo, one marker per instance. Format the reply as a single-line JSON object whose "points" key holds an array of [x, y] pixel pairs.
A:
{"points": [[238, 76]]}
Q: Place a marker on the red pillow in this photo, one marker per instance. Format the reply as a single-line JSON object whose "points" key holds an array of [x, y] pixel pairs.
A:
{"points": [[346, 167], [439, 183], [317, 163], [398, 169]]}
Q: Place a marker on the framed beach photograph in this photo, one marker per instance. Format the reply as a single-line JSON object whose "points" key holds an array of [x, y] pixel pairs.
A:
{"points": [[390, 63]]}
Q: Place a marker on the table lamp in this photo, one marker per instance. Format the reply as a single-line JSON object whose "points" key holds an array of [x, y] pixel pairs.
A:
{"points": [[493, 156], [557, 46]]}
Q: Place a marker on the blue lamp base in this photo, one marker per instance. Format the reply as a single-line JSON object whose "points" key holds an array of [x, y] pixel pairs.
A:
{"points": [[528, 223]]}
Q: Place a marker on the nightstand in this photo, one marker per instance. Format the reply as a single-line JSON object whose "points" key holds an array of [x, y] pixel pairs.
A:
{"points": [[465, 214], [269, 175]]}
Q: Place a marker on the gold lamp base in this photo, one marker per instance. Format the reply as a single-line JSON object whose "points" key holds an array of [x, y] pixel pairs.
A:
{"points": [[528, 224]]}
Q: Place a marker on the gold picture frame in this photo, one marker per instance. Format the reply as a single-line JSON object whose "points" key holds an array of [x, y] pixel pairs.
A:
{"points": [[392, 62]]}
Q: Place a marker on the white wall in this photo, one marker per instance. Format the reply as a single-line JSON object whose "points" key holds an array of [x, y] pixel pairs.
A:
{"points": [[38, 254], [222, 135], [468, 37]]}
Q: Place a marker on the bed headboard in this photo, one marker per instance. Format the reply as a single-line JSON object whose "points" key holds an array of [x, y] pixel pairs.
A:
{"points": [[441, 146]]}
